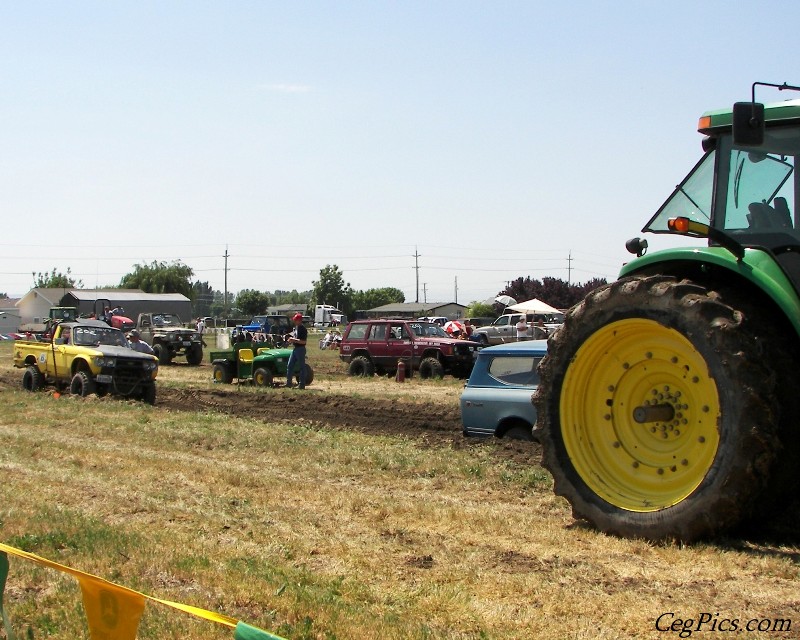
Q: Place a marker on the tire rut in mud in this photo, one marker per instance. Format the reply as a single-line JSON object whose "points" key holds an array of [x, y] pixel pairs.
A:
{"points": [[431, 424]]}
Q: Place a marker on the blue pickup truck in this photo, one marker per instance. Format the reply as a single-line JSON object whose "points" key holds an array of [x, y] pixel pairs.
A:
{"points": [[276, 324]]}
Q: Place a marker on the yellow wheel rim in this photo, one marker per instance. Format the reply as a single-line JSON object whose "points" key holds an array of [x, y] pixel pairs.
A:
{"points": [[641, 369], [218, 375]]}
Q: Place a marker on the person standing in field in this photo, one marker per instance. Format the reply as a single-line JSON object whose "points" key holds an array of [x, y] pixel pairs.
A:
{"points": [[201, 329], [297, 338], [522, 329]]}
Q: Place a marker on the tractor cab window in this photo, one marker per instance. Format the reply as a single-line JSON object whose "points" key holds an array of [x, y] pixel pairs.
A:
{"points": [[760, 190], [691, 198], [755, 191]]}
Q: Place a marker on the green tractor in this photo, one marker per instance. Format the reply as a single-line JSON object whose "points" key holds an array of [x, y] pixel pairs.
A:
{"points": [[669, 404]]}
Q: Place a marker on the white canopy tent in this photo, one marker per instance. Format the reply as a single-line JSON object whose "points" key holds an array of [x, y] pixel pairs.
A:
{"points": [[533, 306]]}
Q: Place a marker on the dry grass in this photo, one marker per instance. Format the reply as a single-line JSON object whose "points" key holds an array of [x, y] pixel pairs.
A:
{"points": [[316, 533]]}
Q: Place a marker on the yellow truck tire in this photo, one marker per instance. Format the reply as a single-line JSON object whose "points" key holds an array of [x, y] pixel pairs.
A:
{"points": [[32, 379]]}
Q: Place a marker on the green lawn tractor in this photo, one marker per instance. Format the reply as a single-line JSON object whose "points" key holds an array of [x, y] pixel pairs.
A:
{"points": [[669, 404], [254, 362]]}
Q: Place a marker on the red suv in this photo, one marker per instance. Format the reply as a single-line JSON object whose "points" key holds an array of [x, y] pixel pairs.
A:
{"points": [[376, 346]]}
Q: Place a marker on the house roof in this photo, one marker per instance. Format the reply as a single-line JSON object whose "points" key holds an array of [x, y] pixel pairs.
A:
{"points": [[8, 304], [50, 295], [122, 295], [54, 296], [280, 308]]}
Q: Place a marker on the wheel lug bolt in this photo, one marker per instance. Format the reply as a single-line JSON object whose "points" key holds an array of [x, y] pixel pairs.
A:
{"points": [[661, 472]]}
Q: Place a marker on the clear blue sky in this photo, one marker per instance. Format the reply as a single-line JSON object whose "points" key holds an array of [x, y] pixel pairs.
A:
{"points": [[498, 138]]}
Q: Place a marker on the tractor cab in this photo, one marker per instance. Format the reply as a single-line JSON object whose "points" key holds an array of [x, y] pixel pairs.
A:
{"points": [[744, 191]]}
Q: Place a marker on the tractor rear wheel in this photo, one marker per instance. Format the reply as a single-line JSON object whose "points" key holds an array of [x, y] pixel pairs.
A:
{"points": [[309, 374], [657, 412]]}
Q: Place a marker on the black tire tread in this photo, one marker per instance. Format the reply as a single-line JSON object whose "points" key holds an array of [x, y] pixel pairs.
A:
{"points": [[732, 487]]}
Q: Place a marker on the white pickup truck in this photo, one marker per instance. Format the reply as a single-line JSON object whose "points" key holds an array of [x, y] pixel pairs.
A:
{"points": [[504, 329]]}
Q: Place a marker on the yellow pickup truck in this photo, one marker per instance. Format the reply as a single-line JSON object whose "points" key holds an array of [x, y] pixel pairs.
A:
{"points": [[87, 356]]}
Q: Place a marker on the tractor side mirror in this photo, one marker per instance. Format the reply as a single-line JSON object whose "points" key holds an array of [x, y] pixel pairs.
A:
{"points": [[748, 124]]}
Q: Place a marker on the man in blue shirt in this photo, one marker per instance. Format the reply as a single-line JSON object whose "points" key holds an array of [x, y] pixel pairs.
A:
{"points": [[297, 339]]}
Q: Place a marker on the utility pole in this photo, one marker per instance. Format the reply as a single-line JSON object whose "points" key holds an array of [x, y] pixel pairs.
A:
{"points": [[416, 268], [425, 291], [225, 310], [569, 268], [455, 292]]}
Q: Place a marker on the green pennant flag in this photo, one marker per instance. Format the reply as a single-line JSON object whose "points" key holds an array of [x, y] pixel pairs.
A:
{"points": [[3, 578], [246, 632]]}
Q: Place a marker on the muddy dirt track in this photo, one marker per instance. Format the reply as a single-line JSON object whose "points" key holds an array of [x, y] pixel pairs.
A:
{"points": [[431, 424]]}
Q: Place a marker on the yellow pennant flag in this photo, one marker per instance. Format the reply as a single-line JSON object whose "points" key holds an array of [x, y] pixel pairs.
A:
{"points": [[113, 611]]}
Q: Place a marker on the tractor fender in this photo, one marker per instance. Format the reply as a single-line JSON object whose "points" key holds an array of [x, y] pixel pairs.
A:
{"points": [[758, 272]]}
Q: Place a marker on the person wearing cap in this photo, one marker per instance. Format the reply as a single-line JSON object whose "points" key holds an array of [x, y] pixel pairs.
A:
{"points": [[137, 344], [297, 338]]}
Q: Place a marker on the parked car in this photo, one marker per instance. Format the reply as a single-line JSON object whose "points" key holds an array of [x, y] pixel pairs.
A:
{"points": [[378, 345], [497, 397]]}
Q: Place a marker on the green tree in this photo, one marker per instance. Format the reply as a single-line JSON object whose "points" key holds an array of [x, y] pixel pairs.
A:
{"points": [[480, 310], [160, 277], [251, 302], [218, 305], [56, 280], [556, 292], [372, 298], [203, 298], [332, 289]]}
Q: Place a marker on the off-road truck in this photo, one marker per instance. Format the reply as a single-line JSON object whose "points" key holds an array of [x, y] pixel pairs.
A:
{"points": [[377, 346], [87, 356], [668, 404], [169, 338]]}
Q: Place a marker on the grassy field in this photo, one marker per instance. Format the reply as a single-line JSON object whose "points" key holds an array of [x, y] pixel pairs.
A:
{"points": [[317, 532]]}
